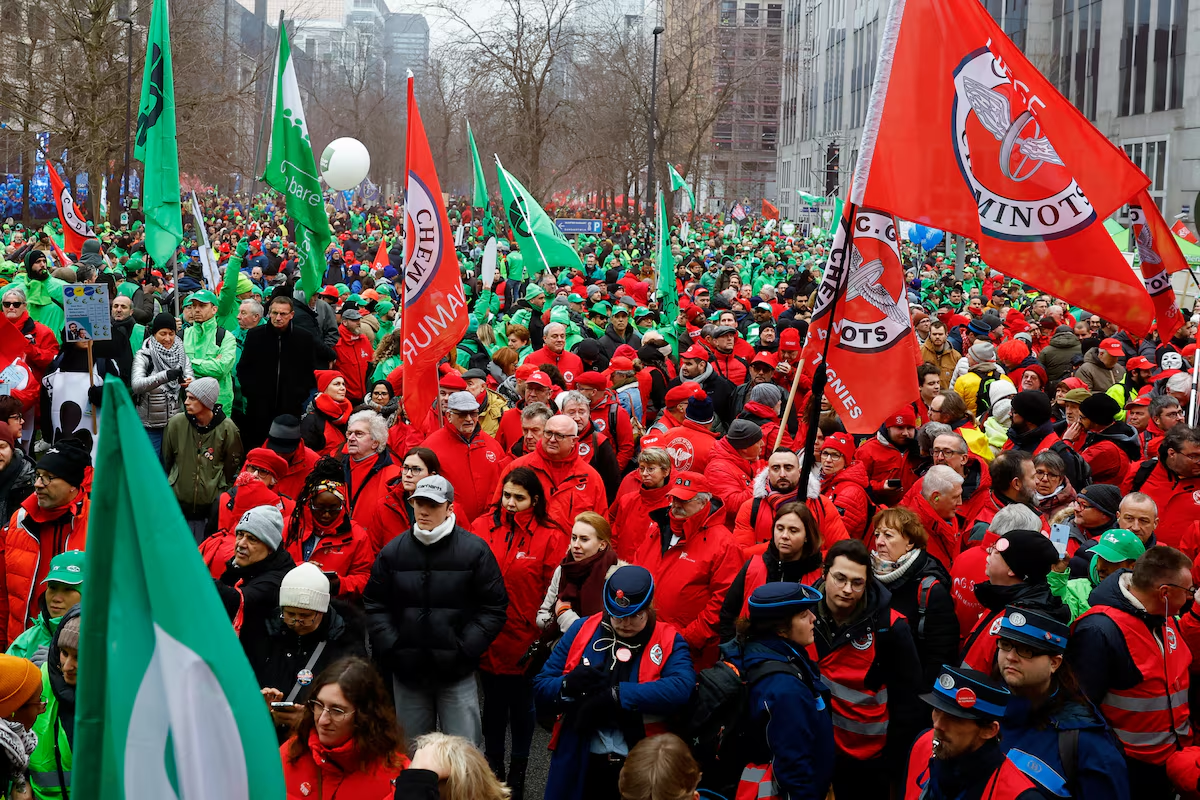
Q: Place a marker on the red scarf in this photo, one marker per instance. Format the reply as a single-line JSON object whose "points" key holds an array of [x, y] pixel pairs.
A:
{"points": [[559, 468], [339, 410]]}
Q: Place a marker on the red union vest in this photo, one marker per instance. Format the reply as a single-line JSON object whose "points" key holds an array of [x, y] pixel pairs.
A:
{"points": [[649, 668], [1152, 717], [860, 715], [1006, 783]]}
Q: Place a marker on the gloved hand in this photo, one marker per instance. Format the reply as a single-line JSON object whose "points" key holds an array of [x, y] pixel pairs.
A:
{"points": [[95, 395], [39, 656], [598, 710], [174, 374], [583, 681], [243, 247]]}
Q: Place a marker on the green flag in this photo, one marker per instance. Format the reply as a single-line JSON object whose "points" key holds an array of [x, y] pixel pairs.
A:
{"points": [[156, 146], [480, 200], [292, 170], [543, 245], [668, 295], [677, 183], [168, 706], [811, 199], [489, 222]]}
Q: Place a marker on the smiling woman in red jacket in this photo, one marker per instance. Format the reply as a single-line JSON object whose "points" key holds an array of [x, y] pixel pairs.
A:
{"points": [[348, 744], [528, 546], [321, 531]]}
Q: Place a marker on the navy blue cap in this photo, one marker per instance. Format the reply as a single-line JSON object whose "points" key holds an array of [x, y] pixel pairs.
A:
{"points": [[781, 599], [979, 327], [1040, 631], [627, 591], [968, 694]]}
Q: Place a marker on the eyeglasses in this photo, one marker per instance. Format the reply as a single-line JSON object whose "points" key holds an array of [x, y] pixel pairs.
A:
{"points": [[1045, 475], [830, 455], [316, 509], [336, 714], [558, 437], [1189, 590], [943, 452], [1022, 650], [409, 469], [292, 618], [44, 478], [17, 417], [17, 304]]}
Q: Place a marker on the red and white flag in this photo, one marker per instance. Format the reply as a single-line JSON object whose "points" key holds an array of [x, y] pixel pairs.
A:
{"points": [[1160, 256], [381, 256], [1184, 232], [964, 134], [435, 308], [75, 230], [873, 355]]}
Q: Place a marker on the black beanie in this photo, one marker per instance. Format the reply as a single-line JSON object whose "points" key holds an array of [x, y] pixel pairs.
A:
{"points": [[1100, 409], [1029, 554], [1104, 497], [66, 460], [161, 322], [1033, 406]]}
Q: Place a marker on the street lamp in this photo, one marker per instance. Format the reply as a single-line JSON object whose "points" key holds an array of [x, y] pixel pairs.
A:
{"points": [[128, 109], [650, 128]]}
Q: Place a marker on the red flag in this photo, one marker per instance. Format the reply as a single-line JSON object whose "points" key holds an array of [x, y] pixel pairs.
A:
{"points": [[969, 137], [1184, 232], [769, 211], [63, 261], [12, 343], [75, 231], [435, 308], [872, 359], [381, 256], [1159, 256]]}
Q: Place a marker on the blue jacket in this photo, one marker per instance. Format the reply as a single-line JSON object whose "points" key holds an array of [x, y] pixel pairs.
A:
{"points": [[796, 720], [665, 696], [1099, 772]]}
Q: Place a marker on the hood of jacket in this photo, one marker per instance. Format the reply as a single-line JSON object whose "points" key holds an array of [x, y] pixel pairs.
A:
{"points": [[1123, 435], [58, 684], [1065, 340], [856, 473], [1029, 595]]}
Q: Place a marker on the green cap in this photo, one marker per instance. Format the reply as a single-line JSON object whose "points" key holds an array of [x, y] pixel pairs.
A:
{"points": [[602, 308], [1117, 545], [66, 568], [533, 290], [202, 296], [642, 311], [574, 298]]}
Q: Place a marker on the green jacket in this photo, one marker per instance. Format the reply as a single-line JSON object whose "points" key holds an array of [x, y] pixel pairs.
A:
{"points": [[1074, 592], [43, 766], [210, 359], [201, 462], [45, 301], [35, 637]]}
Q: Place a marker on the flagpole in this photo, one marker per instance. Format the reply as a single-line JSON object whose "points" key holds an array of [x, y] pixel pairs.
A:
{"points": [[525, 215], [262, 125]]}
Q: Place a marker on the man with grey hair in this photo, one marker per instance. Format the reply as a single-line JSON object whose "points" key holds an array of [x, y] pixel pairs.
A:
{"points": [[936, 504], [250, 314], [554, 352], [572, 485], [369, 464], [471, 459], [533, 425], [970, 567]]}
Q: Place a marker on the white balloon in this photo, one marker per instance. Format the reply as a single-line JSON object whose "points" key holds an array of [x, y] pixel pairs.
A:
{"points": [[487, 267], [345, 163]]}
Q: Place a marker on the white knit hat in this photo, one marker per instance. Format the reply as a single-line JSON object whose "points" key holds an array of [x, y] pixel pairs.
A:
{"points": [[305, 587]]}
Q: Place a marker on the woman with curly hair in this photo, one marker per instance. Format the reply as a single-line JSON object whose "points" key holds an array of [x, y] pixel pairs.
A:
{"points": [[387, 356], [322, 532], [348, 743]]}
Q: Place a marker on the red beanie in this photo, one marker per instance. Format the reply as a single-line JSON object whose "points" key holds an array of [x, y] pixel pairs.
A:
{"points": [[842, 443], [325, 377]]}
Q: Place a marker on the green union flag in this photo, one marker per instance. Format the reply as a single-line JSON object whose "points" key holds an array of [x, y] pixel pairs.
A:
{"points": [[543, 246], [479, 196], [668, 295], [292, 170], [168, 706], [156, 146]]}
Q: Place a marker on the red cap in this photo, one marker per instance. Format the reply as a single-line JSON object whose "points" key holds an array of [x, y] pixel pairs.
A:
{"points": [[453, 380], [1112, 347], [1073, 383], [539, 378], [1140, 400], [329, 291], [326, 376], [683, 392], [789, 339], [1139, 362], [842, 443], [905, 417], [267, 460], [626, 351], [619, 364], [770, 359], [594, 380], [695, 351], [524, 371], [687, 485]]}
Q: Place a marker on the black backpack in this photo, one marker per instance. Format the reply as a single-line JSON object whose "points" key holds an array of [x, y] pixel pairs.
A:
{"points": [[1078, 471], [983, 400], [1143, 474]]}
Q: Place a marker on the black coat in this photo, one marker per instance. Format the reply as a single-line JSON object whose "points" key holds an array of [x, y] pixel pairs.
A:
{"points": [[276, 376], [432, 610], [258, 595], [935, 633]]}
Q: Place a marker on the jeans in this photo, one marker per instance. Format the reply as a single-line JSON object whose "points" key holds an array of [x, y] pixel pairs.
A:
{"points": [[507, 699], [454, 705], [156, 437]]}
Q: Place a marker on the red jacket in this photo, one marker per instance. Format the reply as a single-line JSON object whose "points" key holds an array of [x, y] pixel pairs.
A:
{"points": [[245, 494], [691, 577], [969, 569], [629, 516], [622, 437], [474, 468], [753, 526], [353, 355], [569, 364], [1178, 502], [42, 345], [731, 366], [944, 537], [1108, 461], [731, 477], [528, 553], [689, 445], [884, 462], [30, 540], [510, 431], [367, 482], [393, 515], [848, 491], [346, 550], [300, 463], [578, 488], [336, 771]]}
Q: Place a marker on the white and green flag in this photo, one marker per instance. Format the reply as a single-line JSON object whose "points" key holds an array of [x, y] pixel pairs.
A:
{"points": [[168, 707], [543, 246], [677, 183], [292, 170], [668, 293]]}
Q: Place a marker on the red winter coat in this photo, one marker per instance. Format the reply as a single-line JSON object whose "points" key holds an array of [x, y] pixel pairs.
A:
{"points": [[731, 477], [353, 356], [848, 491], [394, 515], [345, 549], [336, 771], [944, 537], [731, 366], [579, 487], [510, 431], [569, 364], [753, 527], [884, 462], [629, 516], [689, 445], [528, 553], [623, 436], [969, 569], [1178, 502], [367, 482], [300, 463], [474, 468], [41, 347], [1108, 461], [692, 577]]}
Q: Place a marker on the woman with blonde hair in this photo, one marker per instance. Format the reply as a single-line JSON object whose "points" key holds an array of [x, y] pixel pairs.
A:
{"points": [[660, 768], [577, 587], [448, 768]]}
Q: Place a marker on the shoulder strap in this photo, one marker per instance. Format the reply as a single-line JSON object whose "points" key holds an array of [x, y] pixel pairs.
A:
{"points": [[766, 668], [1068, 753], [320, 648], [1143, 474], [220, 336], [1039, 772], [754, 504], [923, 590]]}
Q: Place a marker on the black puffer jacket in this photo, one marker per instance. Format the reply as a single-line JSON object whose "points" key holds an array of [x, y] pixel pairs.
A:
{"points": [[432, 610], [254, 589], [935, 632]]}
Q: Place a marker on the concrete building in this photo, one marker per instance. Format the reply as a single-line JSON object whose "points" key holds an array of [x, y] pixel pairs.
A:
{"points": [[1128, 65]]}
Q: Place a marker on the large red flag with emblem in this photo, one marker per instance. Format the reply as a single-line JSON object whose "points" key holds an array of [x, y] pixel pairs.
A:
{"points": [[873, 355], [75, 231], [964, 134], [1160, 256], [435, 309]]}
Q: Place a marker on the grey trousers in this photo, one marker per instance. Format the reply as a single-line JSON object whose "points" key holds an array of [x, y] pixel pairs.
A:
{"points": [[453, 708]]}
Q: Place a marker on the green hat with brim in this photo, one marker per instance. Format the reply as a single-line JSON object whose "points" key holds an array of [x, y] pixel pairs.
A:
{"points": [[602, 308], [1117, 545], [202, 296], [642, 311], [66, 568]]}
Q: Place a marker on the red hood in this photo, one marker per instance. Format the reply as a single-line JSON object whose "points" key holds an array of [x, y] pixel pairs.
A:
{"points": [[855, 473]]}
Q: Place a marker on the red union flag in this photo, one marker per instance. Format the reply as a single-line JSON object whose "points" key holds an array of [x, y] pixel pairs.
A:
{"points": [[1159, 256], [1184, 232], [435, 309], [873, 354], [964, 134], [75, 231]]}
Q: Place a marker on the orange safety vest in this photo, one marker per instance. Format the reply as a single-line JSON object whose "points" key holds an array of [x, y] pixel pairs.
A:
{"points": [[649, 667], [1151, 718], [860, 714], [1006, 783]]}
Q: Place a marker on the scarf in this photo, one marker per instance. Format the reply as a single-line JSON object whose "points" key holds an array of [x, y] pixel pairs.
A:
{"points": [[337, 411], [581, 583], [437, 534], [890, 572], [165, 360], [17, 742]]}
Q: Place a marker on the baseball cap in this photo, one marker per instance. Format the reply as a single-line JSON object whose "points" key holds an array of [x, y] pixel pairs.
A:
{"points": [[66, 567], [1117, 545], [687, 485], [1137, 362], [435, 488], [695, 351], [1112, 347], [202, 296], [539, 378]]}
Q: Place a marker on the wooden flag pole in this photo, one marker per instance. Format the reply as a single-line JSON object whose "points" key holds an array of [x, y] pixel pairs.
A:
{"points": [[787, 409], [91, 382]]}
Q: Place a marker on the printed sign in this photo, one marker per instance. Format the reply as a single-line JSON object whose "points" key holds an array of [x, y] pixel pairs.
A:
{"points": [[86, 309]]}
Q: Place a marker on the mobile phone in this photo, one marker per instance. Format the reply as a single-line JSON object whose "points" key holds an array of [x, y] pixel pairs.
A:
{"points": [[893, 483], [283, 704], [329, 574], [1060, 533]]}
